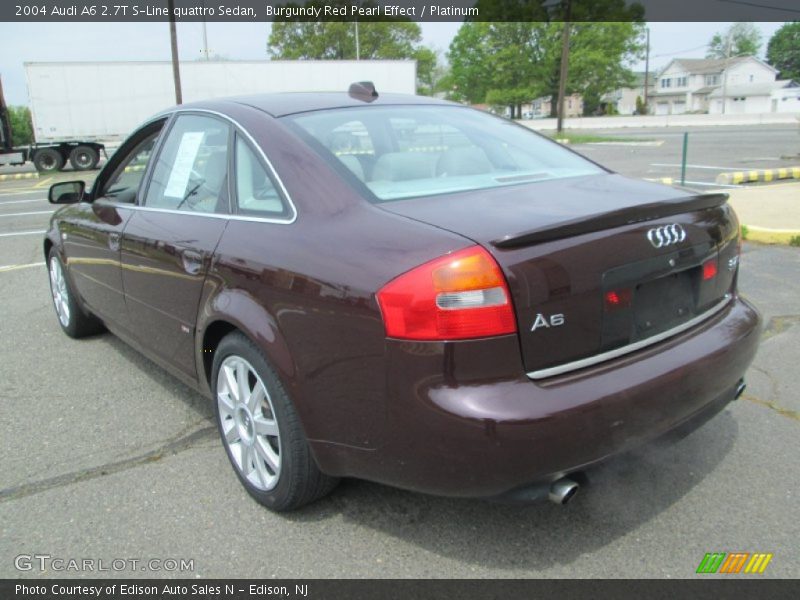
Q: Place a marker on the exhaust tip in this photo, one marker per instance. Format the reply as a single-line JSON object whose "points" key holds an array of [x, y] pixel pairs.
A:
{"points": [[740, 388], [562, 491]]}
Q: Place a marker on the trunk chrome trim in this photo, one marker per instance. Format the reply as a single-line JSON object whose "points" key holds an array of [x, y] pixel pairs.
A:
{"points": [[617, 352]]}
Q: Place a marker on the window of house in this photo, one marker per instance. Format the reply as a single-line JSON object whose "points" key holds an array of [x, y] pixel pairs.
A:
{"points": [[712, 79], [666, 82], [681, 82]]}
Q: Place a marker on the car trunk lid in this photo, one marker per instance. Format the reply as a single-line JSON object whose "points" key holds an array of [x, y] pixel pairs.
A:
{"points": [[595, 264]]}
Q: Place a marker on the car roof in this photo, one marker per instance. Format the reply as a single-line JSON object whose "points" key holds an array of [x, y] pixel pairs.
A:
{"points": [[282, 104]]}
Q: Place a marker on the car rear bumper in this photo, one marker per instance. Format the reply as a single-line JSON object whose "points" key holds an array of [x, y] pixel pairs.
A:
{"points": [[457, 425]]}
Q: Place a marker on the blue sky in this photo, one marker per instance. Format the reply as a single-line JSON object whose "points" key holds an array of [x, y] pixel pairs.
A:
{"points": [[150, 41]]}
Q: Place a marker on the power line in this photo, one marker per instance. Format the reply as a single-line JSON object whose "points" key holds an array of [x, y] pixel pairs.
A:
{"points": [[681, 51], [758, 5]]}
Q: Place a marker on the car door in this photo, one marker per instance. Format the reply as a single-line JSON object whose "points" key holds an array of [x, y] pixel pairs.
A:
{"points": [[170, 239], [92, 231]]}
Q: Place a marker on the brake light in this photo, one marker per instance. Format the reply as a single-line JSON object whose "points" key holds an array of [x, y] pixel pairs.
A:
{"points": [[618, 299], [458, 296], [709, 269]]}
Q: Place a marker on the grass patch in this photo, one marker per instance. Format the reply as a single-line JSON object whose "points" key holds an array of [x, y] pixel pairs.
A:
{"points": [[795, 241], [583, 138], [745, 232]]}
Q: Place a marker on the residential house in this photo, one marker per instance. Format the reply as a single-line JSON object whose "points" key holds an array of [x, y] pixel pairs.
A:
{"points": [[685, 84], [753, 98], [623, 100], [541, 107]]}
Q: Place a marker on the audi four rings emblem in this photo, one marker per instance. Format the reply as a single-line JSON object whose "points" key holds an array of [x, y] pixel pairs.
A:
{"points": [[666, 235]]}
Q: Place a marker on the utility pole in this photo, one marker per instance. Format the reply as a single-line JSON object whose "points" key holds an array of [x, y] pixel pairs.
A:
{"points": [[358, 45], [205, 33], [173, 37], [647, 72], [725, 72], [564, 71]]}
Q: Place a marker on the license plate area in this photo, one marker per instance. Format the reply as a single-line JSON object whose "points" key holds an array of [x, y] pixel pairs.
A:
{"points": [[664, 303], [664, 291]]}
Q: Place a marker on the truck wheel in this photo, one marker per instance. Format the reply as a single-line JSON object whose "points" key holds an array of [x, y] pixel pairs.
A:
{"points": [[83, 158], [48, 159]]}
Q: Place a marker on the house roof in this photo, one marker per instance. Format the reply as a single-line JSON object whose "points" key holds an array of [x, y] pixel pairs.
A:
{"points": [[703, 66]]}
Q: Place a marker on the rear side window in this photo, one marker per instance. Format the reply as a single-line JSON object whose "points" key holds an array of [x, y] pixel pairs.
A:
{"points": [[256, 192], [191, 172]]}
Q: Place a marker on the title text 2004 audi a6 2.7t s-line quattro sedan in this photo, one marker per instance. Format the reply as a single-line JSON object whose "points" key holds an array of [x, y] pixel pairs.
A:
{"points": [[404, 290]]}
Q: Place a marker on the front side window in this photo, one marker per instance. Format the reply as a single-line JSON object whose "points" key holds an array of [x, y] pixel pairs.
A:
{"points": [[192, 167], [427, 150], [124, 183]]}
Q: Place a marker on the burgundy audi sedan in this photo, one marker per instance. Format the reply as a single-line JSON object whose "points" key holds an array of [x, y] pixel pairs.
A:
{"points": [[404, 290]]}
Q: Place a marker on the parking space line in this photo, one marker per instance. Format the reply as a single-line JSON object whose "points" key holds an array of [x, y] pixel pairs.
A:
{"points": [[43, 182], [18, 192], [692, 166], [24, 214], [37, 232], [5, 268], [22, 201]]}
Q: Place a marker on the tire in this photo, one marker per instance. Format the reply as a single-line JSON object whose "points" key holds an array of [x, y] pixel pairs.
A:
{"points": [[263, 437], [83, 158], [47, 160], [75, 322]]}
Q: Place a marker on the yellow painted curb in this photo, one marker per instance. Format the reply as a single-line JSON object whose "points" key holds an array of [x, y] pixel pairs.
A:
{"points": [[16, 176], [763, 235], [737, 177]]}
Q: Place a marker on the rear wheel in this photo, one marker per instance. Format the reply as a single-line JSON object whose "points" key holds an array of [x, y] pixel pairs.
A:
{"points": [[260, 429], [73, 320], [83, 158], [48, 159]]}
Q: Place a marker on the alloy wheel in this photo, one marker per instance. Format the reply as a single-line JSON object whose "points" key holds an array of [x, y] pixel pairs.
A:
{"points": [[58, 286], [248, 424]]}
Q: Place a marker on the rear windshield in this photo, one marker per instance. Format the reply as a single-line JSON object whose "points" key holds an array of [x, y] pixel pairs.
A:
{"points": [[410, 151]]}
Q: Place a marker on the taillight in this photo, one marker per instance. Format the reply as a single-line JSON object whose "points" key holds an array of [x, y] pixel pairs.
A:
{"points": [[458, 296]]}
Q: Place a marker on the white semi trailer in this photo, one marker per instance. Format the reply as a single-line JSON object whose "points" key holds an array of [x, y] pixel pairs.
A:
{"points": [[105, 101]]}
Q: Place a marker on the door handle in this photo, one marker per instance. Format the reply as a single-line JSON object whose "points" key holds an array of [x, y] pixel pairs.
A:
{"points": [[192, 261], [113, 242]]}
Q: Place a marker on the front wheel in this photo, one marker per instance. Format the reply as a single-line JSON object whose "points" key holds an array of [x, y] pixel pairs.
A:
{"points": [[260, 429], [48, 160], [73, 320]]}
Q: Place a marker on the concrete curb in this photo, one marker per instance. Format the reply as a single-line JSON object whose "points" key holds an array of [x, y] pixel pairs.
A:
{"points": [[736, 177], [764, 235], [15, 176]]}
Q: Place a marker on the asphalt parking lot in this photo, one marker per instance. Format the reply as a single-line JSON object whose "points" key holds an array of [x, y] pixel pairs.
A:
{"points": [[105, 456], [655, 153]]}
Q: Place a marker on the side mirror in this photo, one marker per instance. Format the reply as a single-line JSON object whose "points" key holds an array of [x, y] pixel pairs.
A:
{"points": [[68, 192]]}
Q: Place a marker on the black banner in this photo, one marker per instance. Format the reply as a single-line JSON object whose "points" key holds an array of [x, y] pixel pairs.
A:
{"points": [[384, 589], [388, 10]]}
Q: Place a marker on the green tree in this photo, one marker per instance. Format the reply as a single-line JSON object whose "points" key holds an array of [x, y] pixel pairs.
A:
{"points": [[321, 40], [19, 117], [517, 62], [783, 50], [740, 39], [470, 70]]}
